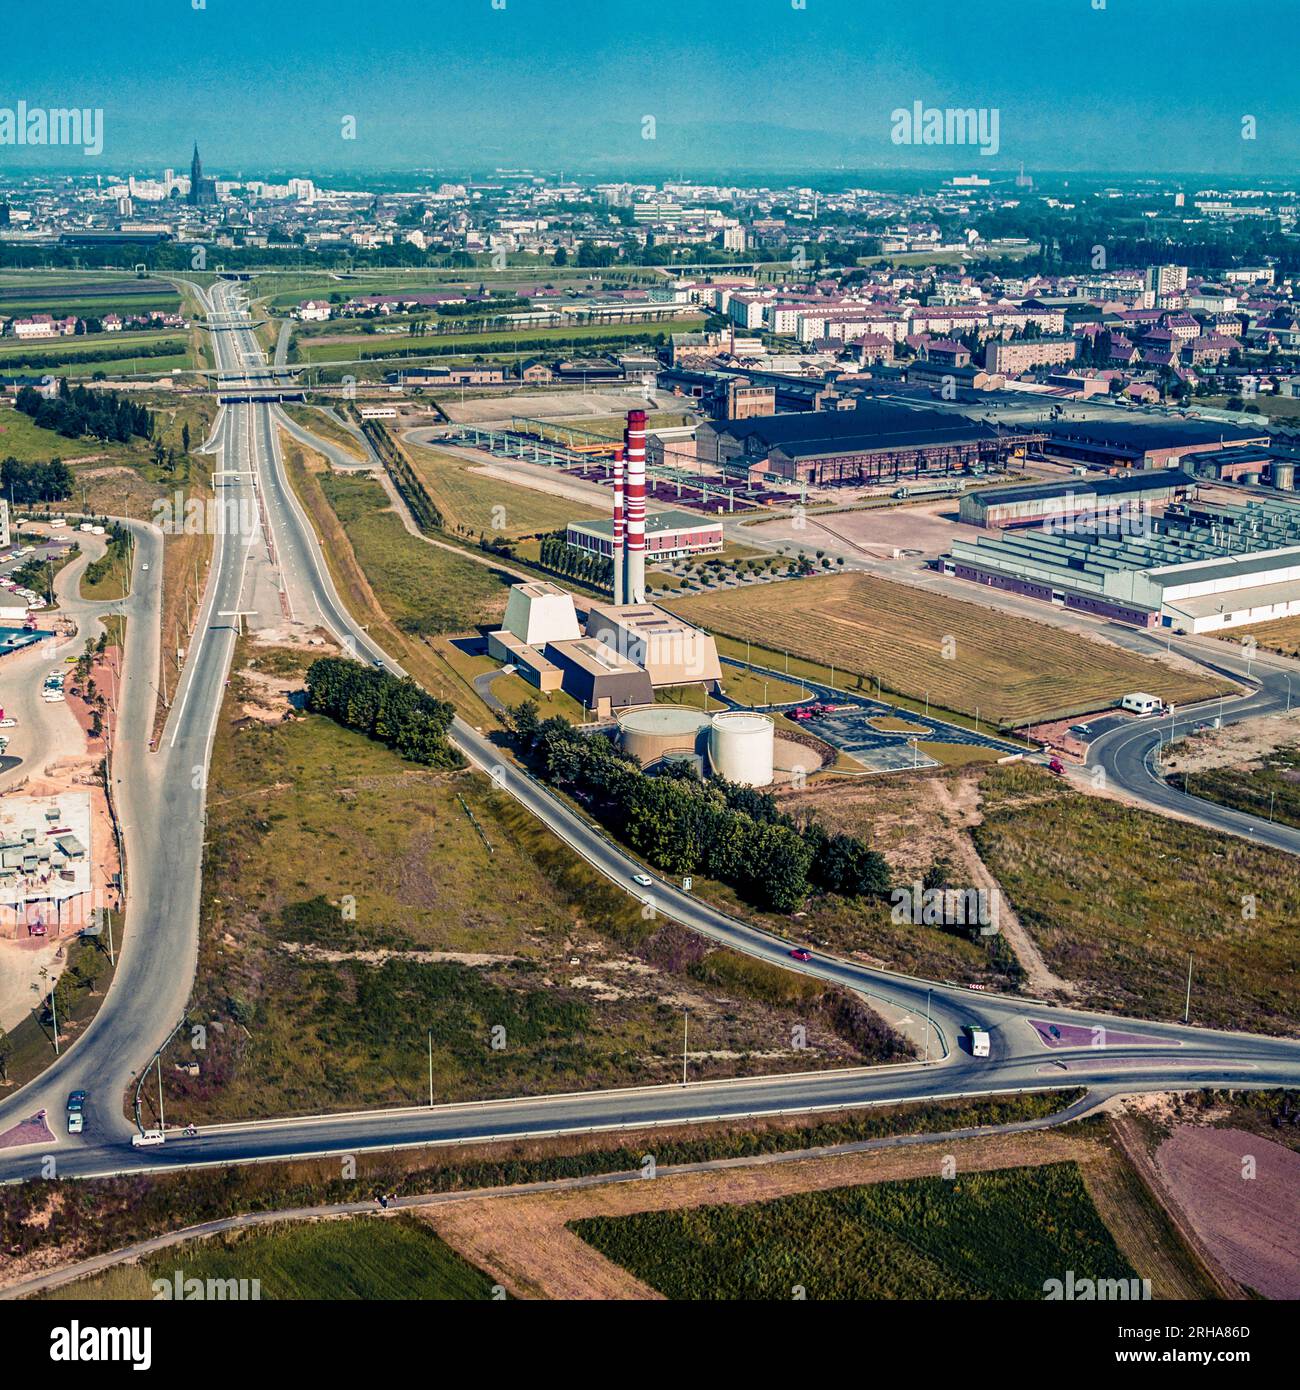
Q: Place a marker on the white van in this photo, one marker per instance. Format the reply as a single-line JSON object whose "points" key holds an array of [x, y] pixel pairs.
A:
{"points": [[1138, 703], [148, 1139]]}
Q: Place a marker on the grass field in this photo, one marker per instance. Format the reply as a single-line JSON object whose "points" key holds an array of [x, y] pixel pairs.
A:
{"points": [[997, 1235], [1118, 898], [472, 503], [396, 1259], [423, 588], [743, 686], [1282, 635], [969, 657], [23, 439], [119, 358], [496, 341], [358, 910], [322, 424], [1270, 790]]}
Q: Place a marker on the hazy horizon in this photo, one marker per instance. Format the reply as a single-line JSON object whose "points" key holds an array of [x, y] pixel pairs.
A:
{"points": [[750, 87]]}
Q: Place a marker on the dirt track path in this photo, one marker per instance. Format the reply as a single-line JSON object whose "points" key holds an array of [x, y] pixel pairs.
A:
{"points": [[960, 806]]}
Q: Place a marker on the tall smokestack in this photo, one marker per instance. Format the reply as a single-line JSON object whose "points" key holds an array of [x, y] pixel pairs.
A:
{"points": [[634, 442], [619, 557]]}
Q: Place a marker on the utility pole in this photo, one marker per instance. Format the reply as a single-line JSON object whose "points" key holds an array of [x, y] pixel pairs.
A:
{"points": [[162, 1122], [927, 1025], [686, 1026], [1187, 1007], [430, 1068]]}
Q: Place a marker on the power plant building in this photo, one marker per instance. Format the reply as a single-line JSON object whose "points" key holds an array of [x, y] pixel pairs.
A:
{"points": [[671, 650]]}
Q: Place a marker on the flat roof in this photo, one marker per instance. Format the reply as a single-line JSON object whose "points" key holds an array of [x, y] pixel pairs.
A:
{"points": [[646, 618], [593, 655], [541, 588], [1143, 480], [1198, 571], [1235, 600], [655, 523]]}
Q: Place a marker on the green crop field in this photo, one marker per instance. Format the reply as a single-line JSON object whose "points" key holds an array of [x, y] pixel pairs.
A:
{"points": [[472, 502], [494, 341], [969, 657], [398, 1258], [1118, 899], [53, 357], [997, 1235]]}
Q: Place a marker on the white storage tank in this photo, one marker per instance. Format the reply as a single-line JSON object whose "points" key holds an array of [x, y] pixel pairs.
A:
{"points": [[741, 746]]}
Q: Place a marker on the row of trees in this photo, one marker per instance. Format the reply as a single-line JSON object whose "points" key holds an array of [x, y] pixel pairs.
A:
{"points": [[558, 555], [78, 411], [24, 483], [392, 711], [405, 479], [684, 825], [166, 347]]}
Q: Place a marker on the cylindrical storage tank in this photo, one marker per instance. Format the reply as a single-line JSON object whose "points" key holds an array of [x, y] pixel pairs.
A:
{"points": [[1283, 475], [741, 746], [1251, 478], [653, 731]]}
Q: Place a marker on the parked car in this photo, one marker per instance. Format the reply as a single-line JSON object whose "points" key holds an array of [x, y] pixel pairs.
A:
{"points": [[76, 1122], [76, 1100]]}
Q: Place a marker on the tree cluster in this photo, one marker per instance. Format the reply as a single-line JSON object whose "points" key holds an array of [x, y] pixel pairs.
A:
{"points": [[684, 825], [78, 411], [558, 555], [23, 483], [392, 711]]}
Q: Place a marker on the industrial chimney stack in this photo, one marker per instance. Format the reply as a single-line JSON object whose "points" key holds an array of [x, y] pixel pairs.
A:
{"points": [[634, 442], [620, 561]]}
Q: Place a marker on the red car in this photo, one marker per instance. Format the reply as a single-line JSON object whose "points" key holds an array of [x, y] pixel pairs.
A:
{"points": [[800, 954]]}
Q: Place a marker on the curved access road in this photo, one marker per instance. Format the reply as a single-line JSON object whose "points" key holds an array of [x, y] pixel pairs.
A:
{"points": [[1128, 755], [1106, 1054]]}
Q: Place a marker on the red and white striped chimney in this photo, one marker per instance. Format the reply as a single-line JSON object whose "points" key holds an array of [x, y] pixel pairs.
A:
{"points": [[634, 442], [620, 560]]}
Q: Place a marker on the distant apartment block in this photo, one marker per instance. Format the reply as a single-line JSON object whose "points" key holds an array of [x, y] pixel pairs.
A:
{"points": [[1023, 355]]}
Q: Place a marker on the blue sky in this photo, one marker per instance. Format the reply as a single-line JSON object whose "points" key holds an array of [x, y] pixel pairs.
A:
{"points": [[1140, 85]]}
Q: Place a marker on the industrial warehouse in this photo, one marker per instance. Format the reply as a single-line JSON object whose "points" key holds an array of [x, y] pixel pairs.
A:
{"points": [[628, 648], [1199, 567], [872, 443], [1038, 504], [1112, 444]]}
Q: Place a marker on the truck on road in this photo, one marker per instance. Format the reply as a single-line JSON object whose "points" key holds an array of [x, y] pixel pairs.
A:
{"points": [[977, 1039]]}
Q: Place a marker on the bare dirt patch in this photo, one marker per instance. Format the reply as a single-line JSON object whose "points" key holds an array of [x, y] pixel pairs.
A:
{"points": [[1241, 1219], [1242, 745]]}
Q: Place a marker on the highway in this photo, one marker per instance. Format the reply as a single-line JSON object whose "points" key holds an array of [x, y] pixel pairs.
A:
{"points": [[283, 558]]}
